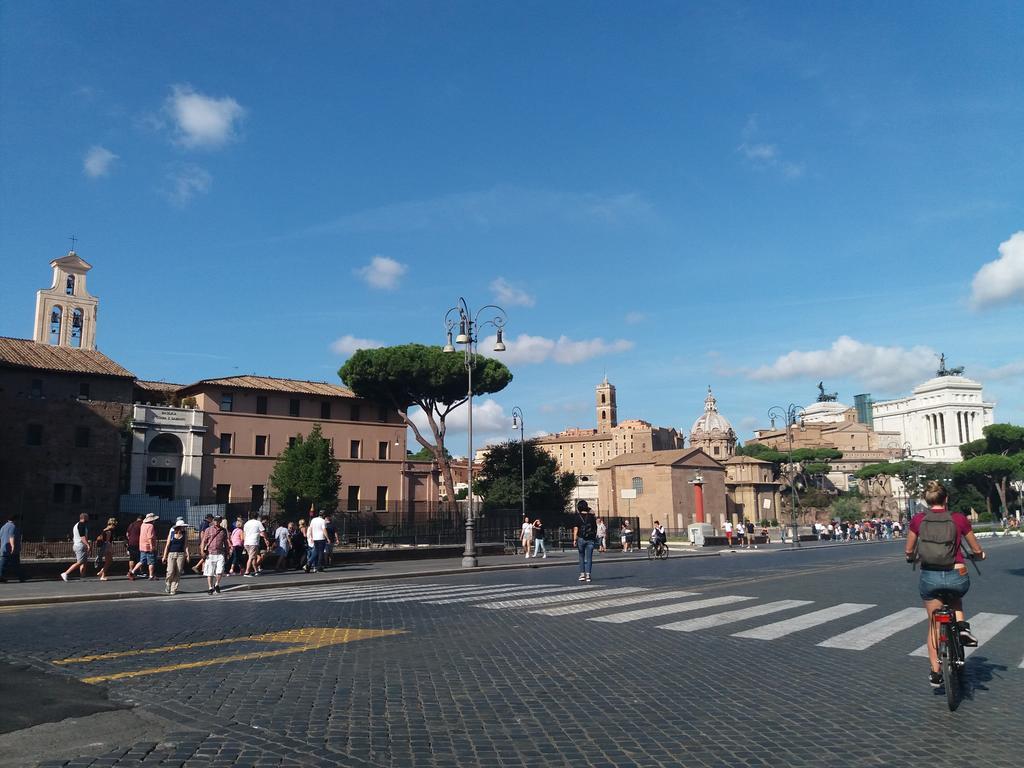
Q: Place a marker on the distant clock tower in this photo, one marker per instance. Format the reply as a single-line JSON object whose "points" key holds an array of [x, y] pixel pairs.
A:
{"points": [[607, 416], [65, 312]]}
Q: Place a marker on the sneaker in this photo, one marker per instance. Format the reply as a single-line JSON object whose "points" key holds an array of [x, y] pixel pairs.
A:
{"points": [[588, 578], [217, 589], [583, 577], [968, 639], [935, 679], [209, 591], [248, 575], [64, 576], [544, 556], [131, 576]]}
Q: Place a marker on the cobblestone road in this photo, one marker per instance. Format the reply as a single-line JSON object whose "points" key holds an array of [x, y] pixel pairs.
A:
{"points": [[745, 660]]}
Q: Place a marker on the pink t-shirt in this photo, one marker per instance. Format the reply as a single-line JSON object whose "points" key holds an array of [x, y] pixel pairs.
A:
{"points": [[237, 537], [963, 527], [147, 538]]}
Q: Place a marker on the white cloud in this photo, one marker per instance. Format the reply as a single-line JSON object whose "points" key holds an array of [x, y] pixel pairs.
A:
{"points": [[202, 122], [506, 293], [490, 425], [1001, 281], [1012, 370], [97, 161], [186, 181], [762, 152], [763, 155], [348, 344], [538, 349], [885, 367], [382, 272], [632, 318]]}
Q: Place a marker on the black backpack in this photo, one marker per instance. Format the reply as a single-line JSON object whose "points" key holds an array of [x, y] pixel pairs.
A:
{"points": [[937, 539]]}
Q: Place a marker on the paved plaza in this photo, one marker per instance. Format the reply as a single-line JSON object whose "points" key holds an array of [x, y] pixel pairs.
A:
{"points": [[758, 658]]}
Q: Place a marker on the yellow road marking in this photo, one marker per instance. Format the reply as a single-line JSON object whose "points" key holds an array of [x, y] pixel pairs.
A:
{"points": [[303, 639]]}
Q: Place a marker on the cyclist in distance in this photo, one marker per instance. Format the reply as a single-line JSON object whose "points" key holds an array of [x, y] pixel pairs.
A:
{"points": [[934, 539], [658, 535]]}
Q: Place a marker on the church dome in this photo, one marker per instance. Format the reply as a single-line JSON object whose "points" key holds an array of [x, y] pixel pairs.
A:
{"points": [[711, 421]]}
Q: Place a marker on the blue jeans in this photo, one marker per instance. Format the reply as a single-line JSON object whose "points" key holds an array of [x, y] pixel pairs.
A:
{"points": [[10, 565], [586, 549]]}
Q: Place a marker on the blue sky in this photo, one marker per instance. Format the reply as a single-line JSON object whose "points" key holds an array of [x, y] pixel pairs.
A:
{"points": [[748, 195]]}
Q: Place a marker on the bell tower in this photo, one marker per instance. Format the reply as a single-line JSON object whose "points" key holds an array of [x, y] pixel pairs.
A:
{"points": [[607, 417], [66, 312]]}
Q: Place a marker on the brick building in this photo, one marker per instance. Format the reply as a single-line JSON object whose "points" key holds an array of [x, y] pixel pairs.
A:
{"points": [[64, 414]]}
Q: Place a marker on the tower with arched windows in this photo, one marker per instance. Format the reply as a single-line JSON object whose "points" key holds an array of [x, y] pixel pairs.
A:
{"points": [[66, 312], [607, 417]]}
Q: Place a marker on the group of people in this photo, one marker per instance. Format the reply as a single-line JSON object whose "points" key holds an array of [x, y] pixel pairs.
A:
{"points": [[224, 549], [878, 529], [532, 537]]}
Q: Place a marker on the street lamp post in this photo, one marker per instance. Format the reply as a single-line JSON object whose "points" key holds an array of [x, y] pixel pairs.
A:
{"points": [[469, 325], [790, 415], [517, 421]]}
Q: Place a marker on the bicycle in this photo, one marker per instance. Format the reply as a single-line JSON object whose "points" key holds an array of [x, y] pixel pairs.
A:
{"points": [[948, 643], [657, 551]]}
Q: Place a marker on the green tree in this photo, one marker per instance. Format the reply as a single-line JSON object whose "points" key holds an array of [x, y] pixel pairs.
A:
{"points": [[424, 376], [424, 454], [500, 480], [846, 508], [306, 473], [988, 472]]}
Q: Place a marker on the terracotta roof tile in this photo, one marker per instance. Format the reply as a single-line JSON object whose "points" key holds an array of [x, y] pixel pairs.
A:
{"points": [[272, 384], [24, 353]]}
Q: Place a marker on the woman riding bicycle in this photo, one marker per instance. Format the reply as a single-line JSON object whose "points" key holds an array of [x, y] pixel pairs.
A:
{"points": [[658, 535], [934, 538]]}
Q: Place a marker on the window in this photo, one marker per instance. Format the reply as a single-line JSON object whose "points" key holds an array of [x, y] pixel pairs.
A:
{"points": [[82, 437], [638, 485], [261, 445], [227, 401], [291, 442], [353, 497], [83, 390], [382, 450], [69, 286], [56, 318], [353, 448], [64, 493], [77, 319], [382, 497], [223, 494], [225, 442], [34, 434], [382, 413], [261, 403], [325, 410], [37, 388], [356, 412], [258, 494], [715, 450], [293, 407]]}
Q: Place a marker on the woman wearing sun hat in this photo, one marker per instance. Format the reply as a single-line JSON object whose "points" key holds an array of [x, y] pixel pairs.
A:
{"points": [[147, 546], [105, 549], [176, 555]]}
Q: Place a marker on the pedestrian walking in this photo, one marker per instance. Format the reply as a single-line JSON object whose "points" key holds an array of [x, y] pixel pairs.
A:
{"points": [[132, 541], [252, 532], [584, 538], [81, 547], [283, 539], [526, 535], [298, 533], [317, 542], [10, 548], [602, 535], [331, 532], [176, 555], [750, 535], [236, 539], [538, 539], [207, 522], [728, 532], [147, 547], [105, 549], [626, 534], [213, 546]]}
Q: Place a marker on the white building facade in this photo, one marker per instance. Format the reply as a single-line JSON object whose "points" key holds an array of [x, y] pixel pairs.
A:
{"points": [[940, 415], [167, 452]]}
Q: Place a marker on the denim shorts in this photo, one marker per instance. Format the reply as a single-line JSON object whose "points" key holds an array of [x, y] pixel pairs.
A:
{"points": [[932, 582], [147, 558]]}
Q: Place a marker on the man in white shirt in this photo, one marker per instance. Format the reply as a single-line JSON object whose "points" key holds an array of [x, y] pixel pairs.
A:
{"points": [[317, 533], [252, 532], [728, 532]]}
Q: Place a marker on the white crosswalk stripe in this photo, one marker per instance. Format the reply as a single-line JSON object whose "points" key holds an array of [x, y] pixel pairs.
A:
{"points": [[614, 602], [421, 593], [317, 593], [566, 597], [666, 610], [483, 592], [867, 635], [505, 592], [779, 629], [729, 617], [984, 626]]}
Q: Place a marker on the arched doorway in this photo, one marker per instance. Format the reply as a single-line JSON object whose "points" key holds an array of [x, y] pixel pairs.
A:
{"points": [[163, 466]]}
